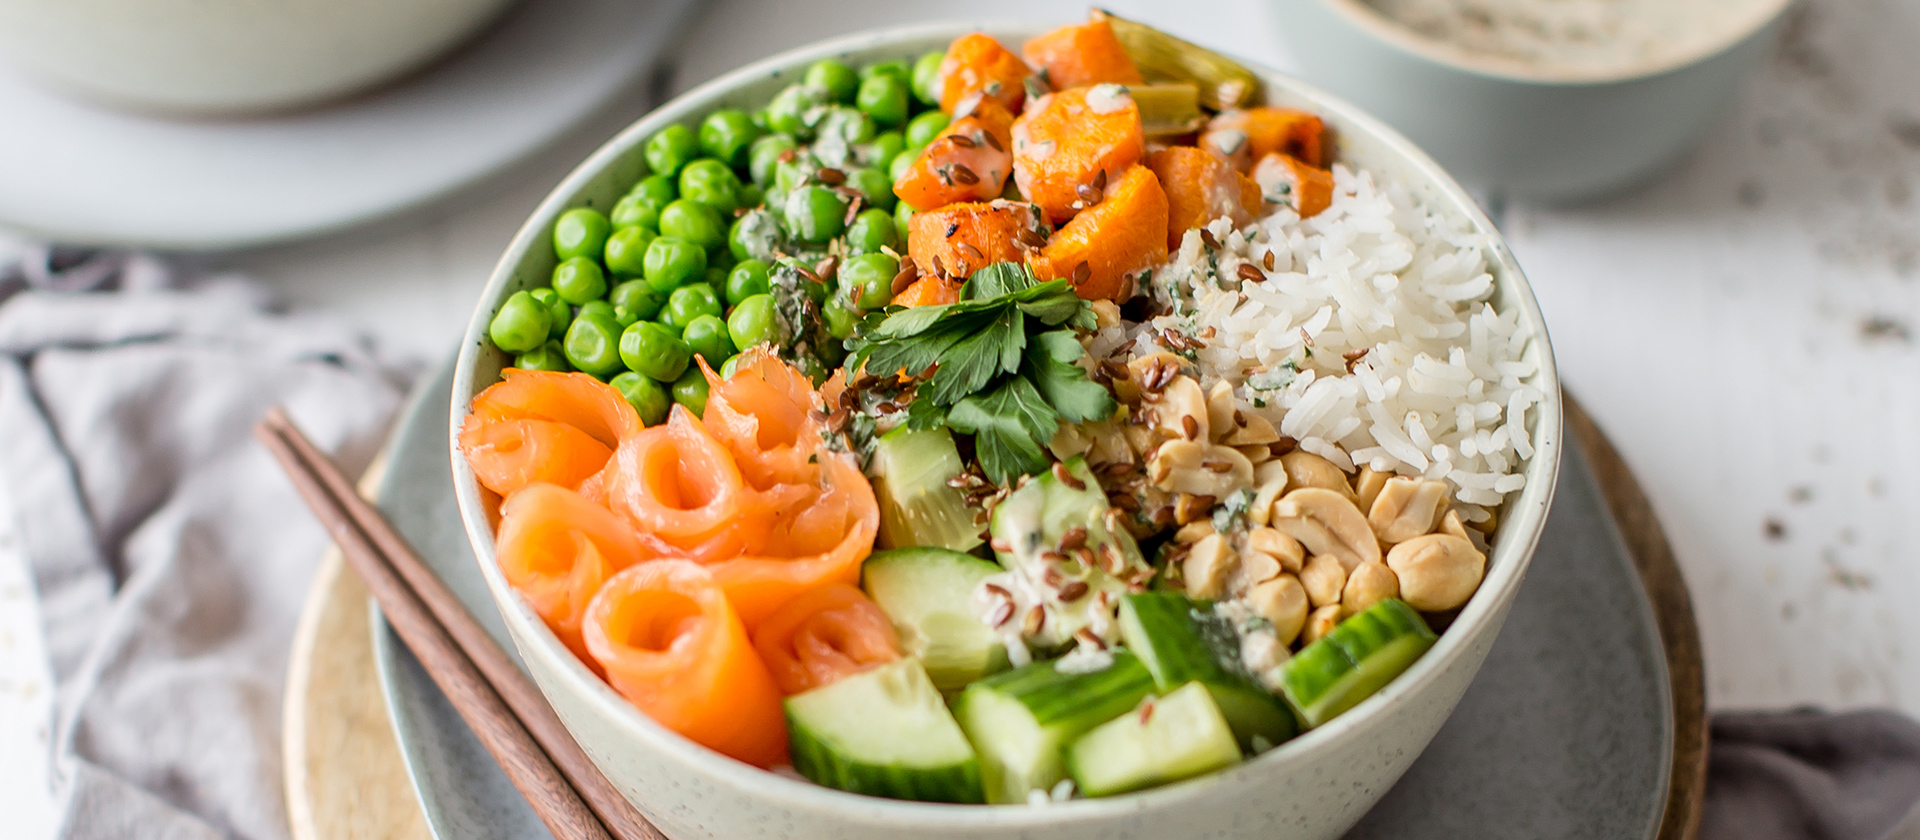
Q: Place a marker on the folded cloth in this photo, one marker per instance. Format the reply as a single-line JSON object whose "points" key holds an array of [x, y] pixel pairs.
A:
{"points": [[1810, 775], [169, 553]]}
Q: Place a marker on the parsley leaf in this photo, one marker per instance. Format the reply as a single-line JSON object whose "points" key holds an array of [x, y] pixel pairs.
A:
{"points": [[997, 280], [970, 363], [1007, 425], [1064, 384]]}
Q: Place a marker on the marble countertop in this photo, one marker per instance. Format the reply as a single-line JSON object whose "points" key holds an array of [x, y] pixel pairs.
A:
{"points": [[1744, 327]]}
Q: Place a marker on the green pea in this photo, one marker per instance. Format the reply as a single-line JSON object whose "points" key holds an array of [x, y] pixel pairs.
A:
{"points": [[690, 390], [694, 222], [580, 232], [922, 129], [874, 186], [839, 123], [788, 174], [896, 69], [902, 216], [868, 279], [627, 250], [787, 112], [708, 337], [765, 153], [751, 195], [759, 119], [884, 98], [672, 148], [520, 325], [815, 213], [838, 318], [646, 396], [635, 300], [897, 168], [633, 210], [749, 278], [926, 75], [733, 363], [559, 313], [579, 280], [795, 273], [838, 80], [689, 302], [654, 351], [884, 147], [870, 231], [712, 183], [726, 134], [672, 261], [754, 236], [593, 343], [812, 367], [597, 309], [548, 356], [752, 322], [656, 191]]}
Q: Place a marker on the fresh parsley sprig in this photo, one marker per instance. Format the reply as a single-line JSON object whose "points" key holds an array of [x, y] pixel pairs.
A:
{"points": [[1003, 365]]}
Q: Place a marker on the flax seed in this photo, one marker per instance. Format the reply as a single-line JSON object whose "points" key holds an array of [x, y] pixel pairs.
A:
{"points": [[1250, 274], [1190, 426], [1001, 615], [963, 175], [831, 176], [1073, 591], [961, 140]]}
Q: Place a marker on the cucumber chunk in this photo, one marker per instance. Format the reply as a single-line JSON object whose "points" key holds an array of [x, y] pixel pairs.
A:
{"points": [[910, 469], [1175, 737], [927, 592], [1021, 721], [884, 732], [1032, 523], [1354, 660], [1181, 642]]}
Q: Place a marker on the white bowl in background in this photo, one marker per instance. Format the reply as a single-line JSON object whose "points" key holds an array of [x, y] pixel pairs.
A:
{"points": [[207, 57], [1311, 788], [1544, 134]]}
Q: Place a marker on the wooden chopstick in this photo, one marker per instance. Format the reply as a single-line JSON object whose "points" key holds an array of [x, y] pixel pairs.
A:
{"points": [[498, 701]]}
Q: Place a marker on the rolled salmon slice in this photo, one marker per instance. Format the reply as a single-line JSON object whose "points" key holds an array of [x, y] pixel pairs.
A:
{"points": [[822, 542], [822, 635], [507, 455], [575, 399], [681, 488], [673, 646], [556, 548], [761, 414]]}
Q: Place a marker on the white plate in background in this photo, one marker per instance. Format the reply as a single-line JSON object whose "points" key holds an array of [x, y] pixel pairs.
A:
{"points": [[77, 173]]}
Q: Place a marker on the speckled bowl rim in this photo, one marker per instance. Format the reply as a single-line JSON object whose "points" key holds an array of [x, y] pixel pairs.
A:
{"points": [[1519, 535], [1363, 17]]}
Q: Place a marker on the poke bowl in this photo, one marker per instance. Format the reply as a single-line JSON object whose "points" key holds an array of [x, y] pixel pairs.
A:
{"points": [[1154, 449]]}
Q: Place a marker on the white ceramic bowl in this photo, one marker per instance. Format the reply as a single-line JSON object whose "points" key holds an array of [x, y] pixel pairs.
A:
{"points": [[206, 57], [1550, 135], [1315, 786]]}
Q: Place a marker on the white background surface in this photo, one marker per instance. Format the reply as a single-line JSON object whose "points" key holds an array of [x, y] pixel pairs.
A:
{"points": [[1744, 329]]}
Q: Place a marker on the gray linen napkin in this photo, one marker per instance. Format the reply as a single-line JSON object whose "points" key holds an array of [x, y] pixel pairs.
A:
{"points": [[1810, 775], [170, 554]]}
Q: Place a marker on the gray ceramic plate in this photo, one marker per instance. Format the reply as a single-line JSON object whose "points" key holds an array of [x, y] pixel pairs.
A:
{"points": [[1567, 731]]}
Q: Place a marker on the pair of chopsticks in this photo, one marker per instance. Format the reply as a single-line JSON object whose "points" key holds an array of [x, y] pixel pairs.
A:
{"points": [[498, 702]]}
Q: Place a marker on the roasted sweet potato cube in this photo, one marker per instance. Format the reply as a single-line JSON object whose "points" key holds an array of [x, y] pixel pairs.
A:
{"points": [[1117, 239], [1202, 186], [957, 240], [969, 161], [1067, 146], [1286, 180], [976, 63], [928, 291], [1248, 135], [1081, 55]]}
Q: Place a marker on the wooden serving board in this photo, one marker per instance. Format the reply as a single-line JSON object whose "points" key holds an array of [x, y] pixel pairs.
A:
{"points": [[346, 781]]}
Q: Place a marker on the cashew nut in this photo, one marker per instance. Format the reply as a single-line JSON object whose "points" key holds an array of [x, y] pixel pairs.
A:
{"points": [[1407, 508], [1368, 585], [1220, 407], [1324, 578], [1450, 524], [1106, 313], [1305, 469], [1257, 453], [1326, 523], [1199, 468], [1437, 572], [1193, 531], [1367, 486], [1180, 410], [1320, 622], [1272, 542], [1271, 478], [1255, 568], [1282, 601], [1207, 566]]}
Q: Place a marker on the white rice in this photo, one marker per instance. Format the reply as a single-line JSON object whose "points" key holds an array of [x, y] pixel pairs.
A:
{"points": [[1442, 390]]}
